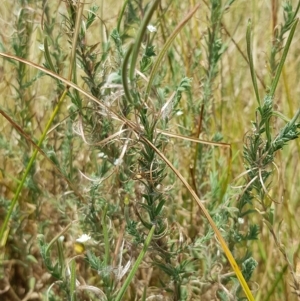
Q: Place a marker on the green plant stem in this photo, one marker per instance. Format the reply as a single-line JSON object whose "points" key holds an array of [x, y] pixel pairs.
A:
{"points": [[296, 10], [105, 234], [139, 38], [281, 116], [121, 15], [136, 265], [251, 64], [295, 118], [80, 6], [283, 58]]}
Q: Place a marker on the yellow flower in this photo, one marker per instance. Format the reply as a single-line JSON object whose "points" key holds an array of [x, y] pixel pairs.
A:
{"points": [[79, 246]]}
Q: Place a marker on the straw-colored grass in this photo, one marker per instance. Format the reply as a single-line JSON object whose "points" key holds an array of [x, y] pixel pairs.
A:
{"points": [[123, 150]]}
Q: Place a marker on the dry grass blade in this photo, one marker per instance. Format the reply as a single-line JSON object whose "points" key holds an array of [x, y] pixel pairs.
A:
{"points": [[196, 140]]}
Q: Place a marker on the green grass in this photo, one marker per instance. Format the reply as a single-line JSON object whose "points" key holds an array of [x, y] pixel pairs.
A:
{"points": [[175, 150]]}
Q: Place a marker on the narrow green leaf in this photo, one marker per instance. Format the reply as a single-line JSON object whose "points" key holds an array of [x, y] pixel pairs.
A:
{"points": [[73, 281], [283, 58], [48, 55], [166, 47], [251, 64], [125, 72], [136, 265]]}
